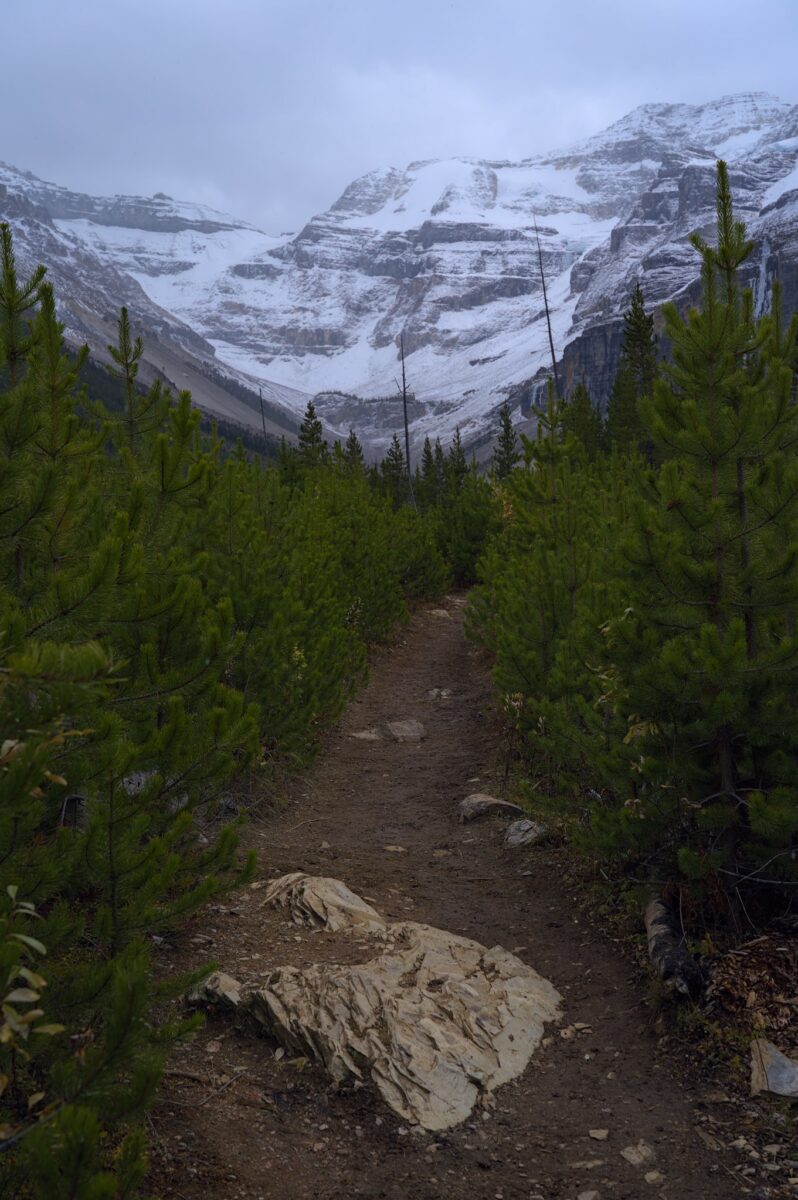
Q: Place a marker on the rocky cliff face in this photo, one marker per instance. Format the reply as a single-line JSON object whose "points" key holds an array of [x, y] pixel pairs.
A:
{"points": [[444, 255], [93, 280]]}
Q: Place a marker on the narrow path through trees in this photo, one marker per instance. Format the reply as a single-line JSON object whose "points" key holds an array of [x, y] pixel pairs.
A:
{"points": [[235, 1121]]}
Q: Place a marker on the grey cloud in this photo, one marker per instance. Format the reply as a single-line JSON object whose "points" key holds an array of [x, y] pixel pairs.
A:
{"points": [[269, 109]]}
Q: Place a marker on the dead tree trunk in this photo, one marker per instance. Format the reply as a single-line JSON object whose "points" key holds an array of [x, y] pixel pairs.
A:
{"points": [[673, 962]]}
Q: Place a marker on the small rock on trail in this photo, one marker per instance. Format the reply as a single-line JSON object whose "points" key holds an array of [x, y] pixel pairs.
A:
{"points": [[479, 804], [406, 731], [525, 833]]}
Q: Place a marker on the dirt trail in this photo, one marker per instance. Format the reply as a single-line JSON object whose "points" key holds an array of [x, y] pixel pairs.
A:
{"points": [[234, 1122]]}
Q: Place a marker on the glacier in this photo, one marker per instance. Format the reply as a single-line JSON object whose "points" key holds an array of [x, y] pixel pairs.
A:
{"points": [[442, 254]]}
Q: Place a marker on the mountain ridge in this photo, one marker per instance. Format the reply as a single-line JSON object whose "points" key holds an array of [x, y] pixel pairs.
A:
{"points": [[442, 254]]}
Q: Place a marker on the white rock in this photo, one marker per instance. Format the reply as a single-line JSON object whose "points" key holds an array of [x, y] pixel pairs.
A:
{"points": [[525, 833], [218, 988], [638, 1155], [479, 804], [367, 735], [406, 731], [435, 1020], [324, 903], [440, 612], [772, 1071]]}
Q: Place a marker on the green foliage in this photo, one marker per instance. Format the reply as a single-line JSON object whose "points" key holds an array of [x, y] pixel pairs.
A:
{"points": [[582, 420], [635, 378], [643, 618], [313, 449], [171, 615], [506, 454], [394, 473]]}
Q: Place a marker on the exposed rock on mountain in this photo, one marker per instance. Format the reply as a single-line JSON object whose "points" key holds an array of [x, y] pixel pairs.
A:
{"points": [[443, 253]]}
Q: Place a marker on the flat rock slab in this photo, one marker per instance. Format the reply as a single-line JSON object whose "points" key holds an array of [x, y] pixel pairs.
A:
{"points": [[406, 731], [440, 612], [479, 804], [322, 903], [433, 1019], [525, 833], [772, 1071], [367, 735]]}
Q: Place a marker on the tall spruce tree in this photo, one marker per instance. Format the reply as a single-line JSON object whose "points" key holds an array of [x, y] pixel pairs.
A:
{"points": [[582, 420], [313, 449], [506, 454], [394, 473], [640, 343], [706, 655], [456, 462], [428, 486], [353, 452], [622, 428], [635, 378]]}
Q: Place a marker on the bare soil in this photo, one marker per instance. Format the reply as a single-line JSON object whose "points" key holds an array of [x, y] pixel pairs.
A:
{"points": [[235, 1121]]}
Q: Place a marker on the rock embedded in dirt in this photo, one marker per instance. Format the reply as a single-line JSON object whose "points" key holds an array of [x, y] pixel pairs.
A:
{"points": [[639, 1155], [479, 804], [367, 735], [218, 988], [772, 1071], [406, 731], [323, 903], [441, 612], [436, 1020], [525, 833], [437, 693]]}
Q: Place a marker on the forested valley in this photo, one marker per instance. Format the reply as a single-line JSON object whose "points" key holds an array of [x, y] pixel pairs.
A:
{"points": [[184, 618]]}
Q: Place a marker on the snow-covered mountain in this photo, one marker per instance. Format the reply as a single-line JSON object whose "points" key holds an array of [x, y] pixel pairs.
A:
{"points": [[444, 255]]}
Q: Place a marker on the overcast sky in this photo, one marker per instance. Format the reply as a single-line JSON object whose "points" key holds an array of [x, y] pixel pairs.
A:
{"points": [[268, 108]]}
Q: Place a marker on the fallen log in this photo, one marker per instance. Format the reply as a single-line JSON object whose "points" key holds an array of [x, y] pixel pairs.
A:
{"points": [[673, 962]]}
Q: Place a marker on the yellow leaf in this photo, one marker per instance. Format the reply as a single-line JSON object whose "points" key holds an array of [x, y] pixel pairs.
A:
{"points": [[22, 996], [35, 1099]]}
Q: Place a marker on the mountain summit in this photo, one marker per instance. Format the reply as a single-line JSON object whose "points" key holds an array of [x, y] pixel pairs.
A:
{"points": [[443, 254]]}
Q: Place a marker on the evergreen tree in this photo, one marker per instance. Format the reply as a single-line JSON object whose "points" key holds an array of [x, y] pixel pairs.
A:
{"points": [[353, 452], [622, 429], [394, 473], [313, 449], [640, 344], [708, 657], [635, 378], [582, 420], [440, 464], [506, 454], [428, 486], [456, 464]]}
